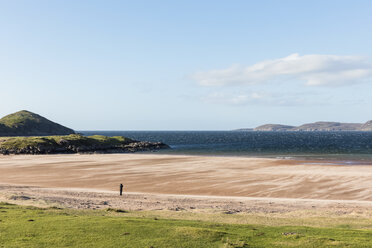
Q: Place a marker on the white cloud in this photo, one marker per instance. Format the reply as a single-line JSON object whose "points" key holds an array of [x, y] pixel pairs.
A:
{"points": [[258, 98], [311, 69]]}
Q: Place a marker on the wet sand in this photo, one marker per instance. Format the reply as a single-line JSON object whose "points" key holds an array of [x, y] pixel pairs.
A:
{"points": [[191, 175]]}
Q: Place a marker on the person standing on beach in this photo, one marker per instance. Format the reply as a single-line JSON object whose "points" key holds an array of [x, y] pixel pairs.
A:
{"points": [[121, 189]]}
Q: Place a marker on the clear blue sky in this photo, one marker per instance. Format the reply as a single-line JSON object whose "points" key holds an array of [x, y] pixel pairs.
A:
{"points": [[186, 65]]}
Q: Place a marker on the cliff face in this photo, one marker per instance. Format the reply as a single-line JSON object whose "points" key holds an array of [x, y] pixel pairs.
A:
{"points": [[25, 123]]}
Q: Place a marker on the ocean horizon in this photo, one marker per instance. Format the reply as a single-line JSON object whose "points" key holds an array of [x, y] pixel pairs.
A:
{"points": [[341, 146]]}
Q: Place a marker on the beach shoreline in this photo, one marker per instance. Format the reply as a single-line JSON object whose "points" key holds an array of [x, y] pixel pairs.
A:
{"points": [[222, 209], [208, 185], [192, 175]]}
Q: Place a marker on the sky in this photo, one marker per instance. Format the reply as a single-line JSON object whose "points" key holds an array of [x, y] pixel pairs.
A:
{"points": [[186, 65]]}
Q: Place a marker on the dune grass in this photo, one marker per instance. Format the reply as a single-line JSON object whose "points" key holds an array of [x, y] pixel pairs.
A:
{"points": [[306, 218], [22, 226]]}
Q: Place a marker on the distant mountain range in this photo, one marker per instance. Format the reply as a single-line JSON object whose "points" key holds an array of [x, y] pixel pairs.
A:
{"points": [[316, 126], [25, 123]]}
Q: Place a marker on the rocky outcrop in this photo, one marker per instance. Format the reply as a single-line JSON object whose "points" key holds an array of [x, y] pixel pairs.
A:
{"points": [[75, 144], [130, 148], [367, 126]]}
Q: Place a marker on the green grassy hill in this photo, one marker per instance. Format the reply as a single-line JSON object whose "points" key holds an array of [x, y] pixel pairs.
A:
{"points": [[25, 123]]}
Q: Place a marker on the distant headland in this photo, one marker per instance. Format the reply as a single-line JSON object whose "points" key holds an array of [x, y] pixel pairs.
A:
{"points": [[25, 132], [313, 127], [26, 123]]}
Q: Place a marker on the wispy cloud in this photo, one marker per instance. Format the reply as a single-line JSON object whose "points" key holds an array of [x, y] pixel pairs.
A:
{"points": [[259, 98], [313, 70]]}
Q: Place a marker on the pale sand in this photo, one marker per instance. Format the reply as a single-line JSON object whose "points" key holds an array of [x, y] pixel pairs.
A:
{"points": [[153, 181]]}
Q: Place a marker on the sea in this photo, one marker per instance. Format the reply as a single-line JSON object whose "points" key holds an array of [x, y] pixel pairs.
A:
{"points": [[340, 147]]}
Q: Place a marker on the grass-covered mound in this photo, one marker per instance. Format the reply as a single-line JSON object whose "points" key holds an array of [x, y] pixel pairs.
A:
{"points": [[25, 123], [73, 143], [35, 227]]}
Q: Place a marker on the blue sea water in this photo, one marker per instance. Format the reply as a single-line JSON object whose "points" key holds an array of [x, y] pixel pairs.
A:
{"points": [[347, 147]]}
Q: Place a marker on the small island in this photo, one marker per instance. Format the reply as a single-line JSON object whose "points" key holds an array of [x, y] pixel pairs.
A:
{"points": [[27, 133]]}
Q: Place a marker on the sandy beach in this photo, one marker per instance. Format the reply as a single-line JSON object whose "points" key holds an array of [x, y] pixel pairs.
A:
{"points": [[156, 182]]}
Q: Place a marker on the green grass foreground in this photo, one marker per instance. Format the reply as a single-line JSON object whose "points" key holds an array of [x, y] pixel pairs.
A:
{"points": [[36, 227]]}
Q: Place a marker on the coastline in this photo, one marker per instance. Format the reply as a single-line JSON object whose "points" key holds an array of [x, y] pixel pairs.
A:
{"points": [[191, 175], [227, 189]]}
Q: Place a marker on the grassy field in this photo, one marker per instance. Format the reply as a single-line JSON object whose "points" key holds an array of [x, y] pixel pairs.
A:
{"points": [[22, 226]]}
